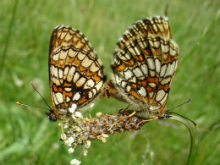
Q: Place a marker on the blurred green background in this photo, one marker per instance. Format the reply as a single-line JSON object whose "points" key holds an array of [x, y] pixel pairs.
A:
{"points": [[26, 135]]}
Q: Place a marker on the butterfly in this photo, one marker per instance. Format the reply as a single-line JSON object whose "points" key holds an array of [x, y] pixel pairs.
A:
{"points": [[75, 72], [145, 60]]}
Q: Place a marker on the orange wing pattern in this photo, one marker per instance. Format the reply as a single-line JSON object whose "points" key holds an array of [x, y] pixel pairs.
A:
{"points": [[76, 74], [145, 60]]}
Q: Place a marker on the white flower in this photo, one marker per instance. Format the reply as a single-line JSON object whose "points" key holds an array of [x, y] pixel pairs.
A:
{"points": [[73, 108], [66, 125], [104, 135], [75, 162], [98, 114], [18, 82], [77, 129], [78, 114], [70, 140], [85, 152], [91, 105], [88, 144], [70, 150]]}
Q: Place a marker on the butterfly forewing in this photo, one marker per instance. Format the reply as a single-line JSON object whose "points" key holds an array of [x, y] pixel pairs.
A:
{"points": [[76, 74], [145, 60]]}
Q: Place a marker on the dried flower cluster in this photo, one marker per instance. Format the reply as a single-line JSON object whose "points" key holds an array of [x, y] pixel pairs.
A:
{"points": [[84, 129], [81, 131]]}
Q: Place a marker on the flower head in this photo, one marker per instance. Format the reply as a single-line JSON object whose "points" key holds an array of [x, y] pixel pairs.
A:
{"points": [[85, 152], [70, 150], [78, 114], [75, 162], [70, 140], [66, 125]]}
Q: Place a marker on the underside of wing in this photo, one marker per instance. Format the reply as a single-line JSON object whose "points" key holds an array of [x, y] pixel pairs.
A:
{"points": [[145, 60], [76, 74]]}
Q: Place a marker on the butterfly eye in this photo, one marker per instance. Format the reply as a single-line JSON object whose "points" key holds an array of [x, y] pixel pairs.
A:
{"points": [[51, 116]]}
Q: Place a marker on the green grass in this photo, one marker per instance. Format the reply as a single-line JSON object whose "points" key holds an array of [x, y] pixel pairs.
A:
{"points": [[26, 135]]}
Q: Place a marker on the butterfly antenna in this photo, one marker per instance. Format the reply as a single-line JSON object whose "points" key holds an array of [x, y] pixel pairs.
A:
{"points": [[180, 104], [196, 125], [181, 115], [26, 105], [40, 95]]}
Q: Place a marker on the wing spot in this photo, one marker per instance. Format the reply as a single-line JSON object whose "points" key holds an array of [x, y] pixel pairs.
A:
{"points": [[142, 91], [63, 54], [76, 77], [59, 97], [144, 69], [160, 94], [153, 85], [71, 72], [128, 74], [151, 64], [60, 73], [72, 53], [94, 68], [68, 99], [80, 82], [86, 62], [68, 89], [81, 56], [137, 71], [76, 97]]}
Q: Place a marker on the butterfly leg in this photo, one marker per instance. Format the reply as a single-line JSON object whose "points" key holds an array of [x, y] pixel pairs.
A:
{"points": [[144, 121], [62, 132], [132, 114]]}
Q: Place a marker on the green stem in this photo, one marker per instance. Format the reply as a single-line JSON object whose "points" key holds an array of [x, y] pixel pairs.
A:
{"points": [[192, 136], [2, 61]]}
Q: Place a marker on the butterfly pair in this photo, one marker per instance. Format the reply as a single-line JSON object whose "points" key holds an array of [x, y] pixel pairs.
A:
{"points": [[145, 60]]}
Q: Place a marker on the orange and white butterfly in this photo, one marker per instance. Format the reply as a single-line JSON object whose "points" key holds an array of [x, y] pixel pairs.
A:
{"points": [[145, 61], [75, 73]]}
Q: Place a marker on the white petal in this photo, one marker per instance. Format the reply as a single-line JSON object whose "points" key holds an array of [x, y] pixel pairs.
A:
{"points": [[70, 150], [85, 152], [78, 114], [66, 125], [70, 140], [75, 162]]}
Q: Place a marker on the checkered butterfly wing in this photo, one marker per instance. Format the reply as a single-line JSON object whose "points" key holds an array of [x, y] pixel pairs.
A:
{"points": [[145, 60], [76, 74]]}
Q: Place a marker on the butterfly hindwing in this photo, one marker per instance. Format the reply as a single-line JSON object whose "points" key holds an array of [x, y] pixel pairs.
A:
{"points": [[145, 60], [76, 74]]}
